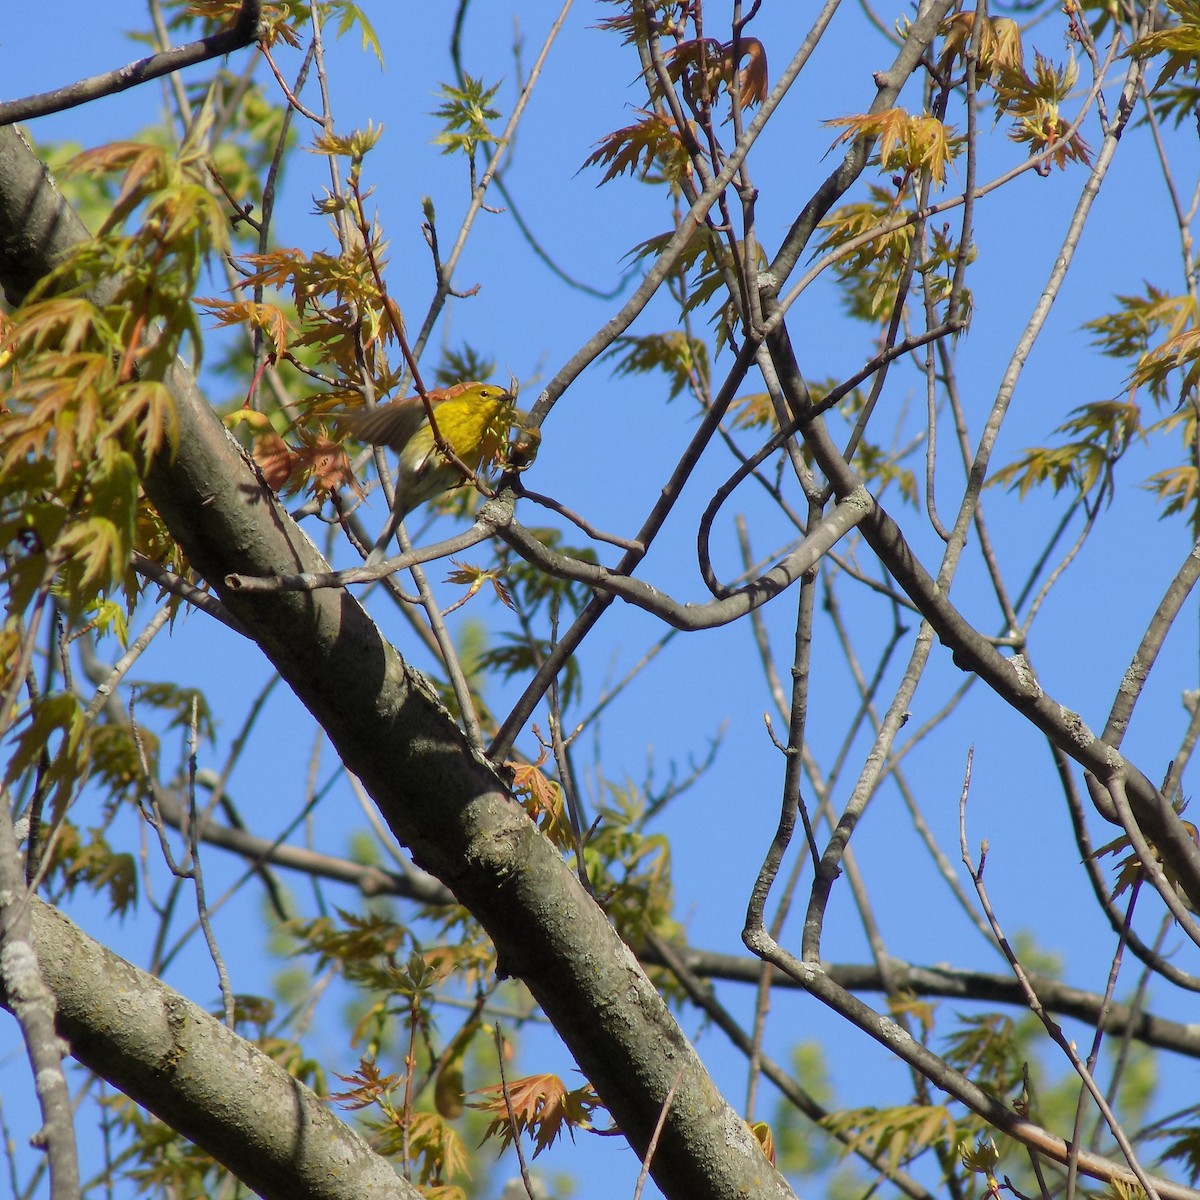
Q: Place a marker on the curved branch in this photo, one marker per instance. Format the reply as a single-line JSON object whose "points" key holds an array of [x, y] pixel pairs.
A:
{"points": [[822, 535]]}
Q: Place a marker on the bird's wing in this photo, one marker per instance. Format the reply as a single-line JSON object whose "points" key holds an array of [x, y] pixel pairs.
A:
{"points": [[391, 424]]}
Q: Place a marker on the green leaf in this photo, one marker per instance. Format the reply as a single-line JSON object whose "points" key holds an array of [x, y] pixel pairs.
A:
{"points": [[58, 714], [897, 1135], [522, 656], [465, 113], [684, 359], [1102, 430], [351, 15]]}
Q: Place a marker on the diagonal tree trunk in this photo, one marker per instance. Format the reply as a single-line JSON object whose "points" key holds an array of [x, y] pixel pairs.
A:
{"points": [[444, 803], [192, 1072]]}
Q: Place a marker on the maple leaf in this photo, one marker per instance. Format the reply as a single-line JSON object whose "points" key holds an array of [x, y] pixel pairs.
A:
{"points": [[541, 1105], [438, 1148], [326, 465], [1129, 869], [752, 79], [274, 458], [542, 800], [267, 317], [1034, 103], [766, 1139], [1180, 352], [474, 578], [466, 111], [712, 61], [1180, 41], [872, 271], [145, 168], [683, 358], [353, 145], [371, 1086], [276, 269], [636, 148], [999, 44], [754, 411], [905, 142], [1127, 333]]}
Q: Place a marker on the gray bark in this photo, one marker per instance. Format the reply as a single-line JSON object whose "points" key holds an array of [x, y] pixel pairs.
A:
{"points": [[203, 1080]]}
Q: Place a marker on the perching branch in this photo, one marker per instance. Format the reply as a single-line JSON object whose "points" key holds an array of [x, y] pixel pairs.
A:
{"points": [[242, 32]]}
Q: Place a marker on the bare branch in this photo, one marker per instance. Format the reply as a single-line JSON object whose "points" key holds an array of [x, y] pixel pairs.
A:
{"points": [[242, 32]]}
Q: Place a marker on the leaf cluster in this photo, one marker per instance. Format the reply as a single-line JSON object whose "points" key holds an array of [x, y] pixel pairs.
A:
{"points": [[895, 1136], [1033, 101], [423, 1139], [705, 68], [156, 1159], [541, 1106], [1098, 434], [83, 358], [1130, 870], [701, 274], [1034, 104], [280, 22], [999, 48], [1183, 1142], [871, 272], [904, 142], [1175, 93], [336, 303], [650, 149], [466, 112], [682, 357], [629, 868]]}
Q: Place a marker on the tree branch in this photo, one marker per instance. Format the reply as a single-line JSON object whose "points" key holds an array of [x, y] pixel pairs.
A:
{"points": [[979, 986], [211, 1085], [241, 33]]}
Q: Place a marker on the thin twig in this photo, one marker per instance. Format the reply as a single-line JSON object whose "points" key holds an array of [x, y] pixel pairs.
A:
{"points": [[1074, 1153], [512, 1117], [668, 1099]]}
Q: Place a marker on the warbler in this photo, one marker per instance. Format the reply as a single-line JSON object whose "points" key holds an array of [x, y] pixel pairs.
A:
{"points": [[473, 419]]}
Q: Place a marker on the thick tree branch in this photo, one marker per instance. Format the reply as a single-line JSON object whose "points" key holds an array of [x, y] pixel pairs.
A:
{"points": [[203, 1080], [446, 804], [822, 536]]}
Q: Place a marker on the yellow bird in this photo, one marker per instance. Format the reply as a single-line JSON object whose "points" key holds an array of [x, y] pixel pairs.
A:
{"points": [[474, 420]]}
